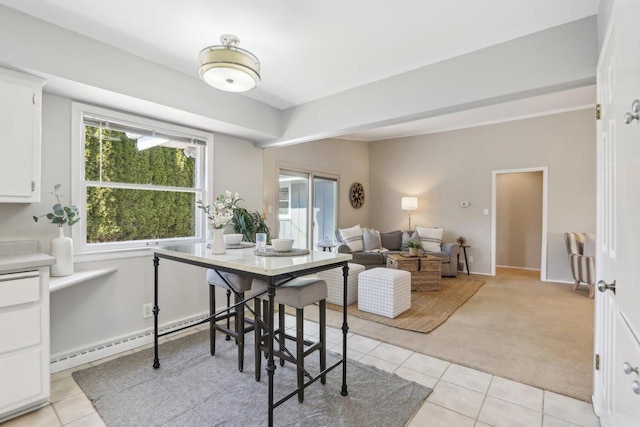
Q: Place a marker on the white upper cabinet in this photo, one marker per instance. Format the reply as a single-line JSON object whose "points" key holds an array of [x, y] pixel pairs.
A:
{"points": [[20, 137]]}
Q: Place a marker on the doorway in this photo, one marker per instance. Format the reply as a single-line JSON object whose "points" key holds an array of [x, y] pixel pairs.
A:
{"points": [[307, 223], [519, 220]]}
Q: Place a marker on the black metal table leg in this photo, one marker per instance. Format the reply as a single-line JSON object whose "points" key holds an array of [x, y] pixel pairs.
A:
{"points": [[156, 310], [271, 366], [464, 249], [345, 329]]}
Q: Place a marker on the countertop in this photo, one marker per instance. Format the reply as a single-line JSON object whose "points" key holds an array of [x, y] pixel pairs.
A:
{"points": [[22, 255]]}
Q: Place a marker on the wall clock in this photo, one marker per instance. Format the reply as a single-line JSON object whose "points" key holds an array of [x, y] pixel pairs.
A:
{"points": [[356, 195]]}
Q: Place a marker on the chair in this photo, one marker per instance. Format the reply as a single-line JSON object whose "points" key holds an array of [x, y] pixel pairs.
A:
{"points": [[581, 249], [297, 293], [238, 285]]}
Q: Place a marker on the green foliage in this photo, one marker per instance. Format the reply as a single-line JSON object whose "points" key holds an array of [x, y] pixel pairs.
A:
{"points": [[248, 224], [115, 214], [412, 244], [60, 215]]}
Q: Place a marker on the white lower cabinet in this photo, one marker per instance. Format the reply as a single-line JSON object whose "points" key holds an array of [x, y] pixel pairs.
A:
{"points": [[24, 341]]}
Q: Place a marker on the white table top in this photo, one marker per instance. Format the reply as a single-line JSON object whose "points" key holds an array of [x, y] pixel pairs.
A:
{"points": [[245, 260]]}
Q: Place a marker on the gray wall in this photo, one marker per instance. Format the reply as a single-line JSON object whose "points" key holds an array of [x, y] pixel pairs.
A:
{"points": [[105, 308], [519, 219], [447, 168]]}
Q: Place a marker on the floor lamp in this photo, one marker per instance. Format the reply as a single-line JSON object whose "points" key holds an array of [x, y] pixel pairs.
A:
{"points": [[409, 204]]}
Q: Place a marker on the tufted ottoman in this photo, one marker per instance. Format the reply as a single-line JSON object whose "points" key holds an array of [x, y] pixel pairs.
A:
{"points": [[384, 291], [335, 284]]}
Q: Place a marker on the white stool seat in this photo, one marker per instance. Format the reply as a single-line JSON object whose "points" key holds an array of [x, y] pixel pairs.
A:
{"points": [[335, 286], [384, 291]]}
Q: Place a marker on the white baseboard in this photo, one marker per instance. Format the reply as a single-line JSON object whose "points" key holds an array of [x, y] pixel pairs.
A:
{"points": [[517, 268], [106, 348]]}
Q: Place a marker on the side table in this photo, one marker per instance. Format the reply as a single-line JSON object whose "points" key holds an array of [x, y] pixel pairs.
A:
{"points": [[464, 251]]}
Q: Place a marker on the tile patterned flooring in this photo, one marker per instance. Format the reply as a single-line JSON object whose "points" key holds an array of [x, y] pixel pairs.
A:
{"points": [[461, 396]]}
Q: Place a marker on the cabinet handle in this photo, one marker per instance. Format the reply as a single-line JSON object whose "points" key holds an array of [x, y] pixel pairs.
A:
{"points": [[635, 386], [627, 368]]}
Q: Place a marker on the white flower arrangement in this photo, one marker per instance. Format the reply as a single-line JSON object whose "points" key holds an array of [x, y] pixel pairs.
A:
{"points": [[220, 212]]}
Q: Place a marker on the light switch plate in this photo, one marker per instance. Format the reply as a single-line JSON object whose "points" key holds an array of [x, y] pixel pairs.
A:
{"points": [[486, 211]]}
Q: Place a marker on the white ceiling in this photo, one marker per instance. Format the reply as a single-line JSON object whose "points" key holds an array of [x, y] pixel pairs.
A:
{"points": [[308, 49]]}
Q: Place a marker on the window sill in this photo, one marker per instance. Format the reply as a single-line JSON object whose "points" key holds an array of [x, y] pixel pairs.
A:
{"points": [[57, 283]]}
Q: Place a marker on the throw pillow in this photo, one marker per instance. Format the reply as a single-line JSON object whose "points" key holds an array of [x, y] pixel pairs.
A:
{"points": [[391, 240], [371, 239], [431, 238], [353, 238], [590, 245], [408, 236]]}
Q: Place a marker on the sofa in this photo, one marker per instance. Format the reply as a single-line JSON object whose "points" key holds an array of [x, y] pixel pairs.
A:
{"points": [[391, 243]]}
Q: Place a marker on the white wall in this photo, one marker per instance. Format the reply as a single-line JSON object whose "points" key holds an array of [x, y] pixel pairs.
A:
{"points": [[347, 159], [519, 219], [108, 307], [447, 168]]}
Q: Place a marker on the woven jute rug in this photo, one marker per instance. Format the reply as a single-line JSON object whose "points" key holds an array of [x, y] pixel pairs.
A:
{"points": [[428, 309]]}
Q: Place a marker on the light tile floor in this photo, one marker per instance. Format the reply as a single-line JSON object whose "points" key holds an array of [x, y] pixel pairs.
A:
{"points": [[461, 396]]}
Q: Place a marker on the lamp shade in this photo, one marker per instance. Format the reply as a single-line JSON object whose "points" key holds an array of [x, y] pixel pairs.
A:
{"points": [[229, 68], [409, 203]]}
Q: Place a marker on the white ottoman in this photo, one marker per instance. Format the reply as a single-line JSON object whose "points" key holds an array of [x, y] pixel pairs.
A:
{"points": [[384, 291], [335, 284]]}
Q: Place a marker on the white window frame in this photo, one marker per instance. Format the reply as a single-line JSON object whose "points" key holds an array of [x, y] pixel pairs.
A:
{"points": [[79, 187]]}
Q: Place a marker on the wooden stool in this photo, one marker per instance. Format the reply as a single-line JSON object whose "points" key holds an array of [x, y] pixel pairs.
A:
{"points": [[297, 293], [239, 285]]}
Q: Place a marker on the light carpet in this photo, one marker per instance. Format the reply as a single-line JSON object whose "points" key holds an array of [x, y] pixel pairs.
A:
{"points": [[192, 388], [515, 327], [428, 309]]}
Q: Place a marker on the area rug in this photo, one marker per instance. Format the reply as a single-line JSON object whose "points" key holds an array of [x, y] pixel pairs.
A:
{"points": [[192, 388], [428, 309]]}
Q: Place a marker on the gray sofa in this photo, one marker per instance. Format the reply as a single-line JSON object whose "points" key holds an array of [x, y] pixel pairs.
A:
{"points": [[393, 241]]}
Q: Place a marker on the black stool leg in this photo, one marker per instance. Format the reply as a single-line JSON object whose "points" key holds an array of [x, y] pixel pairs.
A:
{"points": [[257, 338], [300, 352], [281, 330], [322, 305], [239, 324], [265, 317], [212, 321], [228, 311]]}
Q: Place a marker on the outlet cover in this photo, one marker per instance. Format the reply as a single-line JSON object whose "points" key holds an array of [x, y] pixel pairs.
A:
{"points": [[147, 310], [471, 258]]}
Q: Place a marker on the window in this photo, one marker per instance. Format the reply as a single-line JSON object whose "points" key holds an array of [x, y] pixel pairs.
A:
{"points": [[138, 181]]}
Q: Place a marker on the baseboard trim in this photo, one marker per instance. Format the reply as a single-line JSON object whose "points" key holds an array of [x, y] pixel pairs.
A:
{"points": [[106, 348], [517, 268]]}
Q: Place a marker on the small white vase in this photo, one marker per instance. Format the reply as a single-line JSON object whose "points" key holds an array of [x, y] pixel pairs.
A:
{"points": [[218, 246], [62, 250]]}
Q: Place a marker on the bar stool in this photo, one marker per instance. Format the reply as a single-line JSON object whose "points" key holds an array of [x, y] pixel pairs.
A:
{"points": [[238, 284], [297, 293]]}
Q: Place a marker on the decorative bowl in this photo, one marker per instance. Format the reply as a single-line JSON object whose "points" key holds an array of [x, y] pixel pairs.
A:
{"points": [[232, 239], [282, 245]]}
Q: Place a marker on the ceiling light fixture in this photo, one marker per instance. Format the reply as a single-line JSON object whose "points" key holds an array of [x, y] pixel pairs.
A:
{"points": [[227, 67]]}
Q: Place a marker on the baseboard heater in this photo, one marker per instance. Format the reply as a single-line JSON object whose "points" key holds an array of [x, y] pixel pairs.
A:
{"points": [[60, 362]]}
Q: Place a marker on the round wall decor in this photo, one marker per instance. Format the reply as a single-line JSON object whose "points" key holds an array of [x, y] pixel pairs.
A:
{"points": [[356, 195]]}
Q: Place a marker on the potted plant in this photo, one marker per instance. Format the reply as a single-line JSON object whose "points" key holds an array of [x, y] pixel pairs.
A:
{"points": [[414, 247], [61, 246], [249, 223]]}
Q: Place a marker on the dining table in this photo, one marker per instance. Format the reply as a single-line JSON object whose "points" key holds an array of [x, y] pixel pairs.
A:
{"points": [[274, 270]]}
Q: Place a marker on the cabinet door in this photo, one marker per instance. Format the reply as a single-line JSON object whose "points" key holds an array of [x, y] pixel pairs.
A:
{"points": [[20, 116]]}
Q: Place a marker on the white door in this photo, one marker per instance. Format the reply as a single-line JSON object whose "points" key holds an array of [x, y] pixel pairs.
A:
{"points": [[618, 313]]}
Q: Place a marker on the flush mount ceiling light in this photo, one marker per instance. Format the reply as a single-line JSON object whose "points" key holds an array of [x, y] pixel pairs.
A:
{"points": [[227, 67]]}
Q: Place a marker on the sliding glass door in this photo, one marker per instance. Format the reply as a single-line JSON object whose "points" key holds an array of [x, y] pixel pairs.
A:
{"points": [[306, 223]]}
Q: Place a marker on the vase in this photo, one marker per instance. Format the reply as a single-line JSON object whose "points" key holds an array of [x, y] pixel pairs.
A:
{"points": [[413, 252], [218, 246], [62, 250]]}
